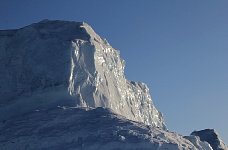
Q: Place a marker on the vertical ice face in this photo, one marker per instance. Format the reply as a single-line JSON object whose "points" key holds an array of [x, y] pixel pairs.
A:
{"points": [[97, 79], [70, 56]]}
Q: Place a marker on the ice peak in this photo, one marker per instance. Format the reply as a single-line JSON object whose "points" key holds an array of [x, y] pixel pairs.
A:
{"points": [[56, 26]]}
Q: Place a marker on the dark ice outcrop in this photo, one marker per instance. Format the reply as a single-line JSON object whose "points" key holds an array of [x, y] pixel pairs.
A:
{"points": [[212, 137]]}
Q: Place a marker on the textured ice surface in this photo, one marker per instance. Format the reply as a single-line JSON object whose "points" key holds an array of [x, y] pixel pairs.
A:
{"points": [[67, 63], [86, 129]]}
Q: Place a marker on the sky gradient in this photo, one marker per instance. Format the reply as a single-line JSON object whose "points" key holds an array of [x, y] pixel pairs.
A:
{"points": [[179, 48]]}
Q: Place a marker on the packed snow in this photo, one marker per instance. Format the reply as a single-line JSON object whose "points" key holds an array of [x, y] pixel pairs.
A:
{"points": [[87, 129]]}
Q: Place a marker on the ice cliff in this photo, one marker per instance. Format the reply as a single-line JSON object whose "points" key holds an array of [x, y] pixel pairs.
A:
{"points": [[63, 87], [66, 63]]}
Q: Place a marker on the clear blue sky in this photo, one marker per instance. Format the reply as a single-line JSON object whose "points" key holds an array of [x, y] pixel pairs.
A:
{"points": [[178, 47]]}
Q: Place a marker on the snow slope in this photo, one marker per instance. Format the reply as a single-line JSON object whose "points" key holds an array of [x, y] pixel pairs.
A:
{"points": [[87, 129]]}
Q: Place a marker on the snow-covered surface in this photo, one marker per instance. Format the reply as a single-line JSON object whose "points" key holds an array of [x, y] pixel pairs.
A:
{"points": [[87, 129], [67, 63]]}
